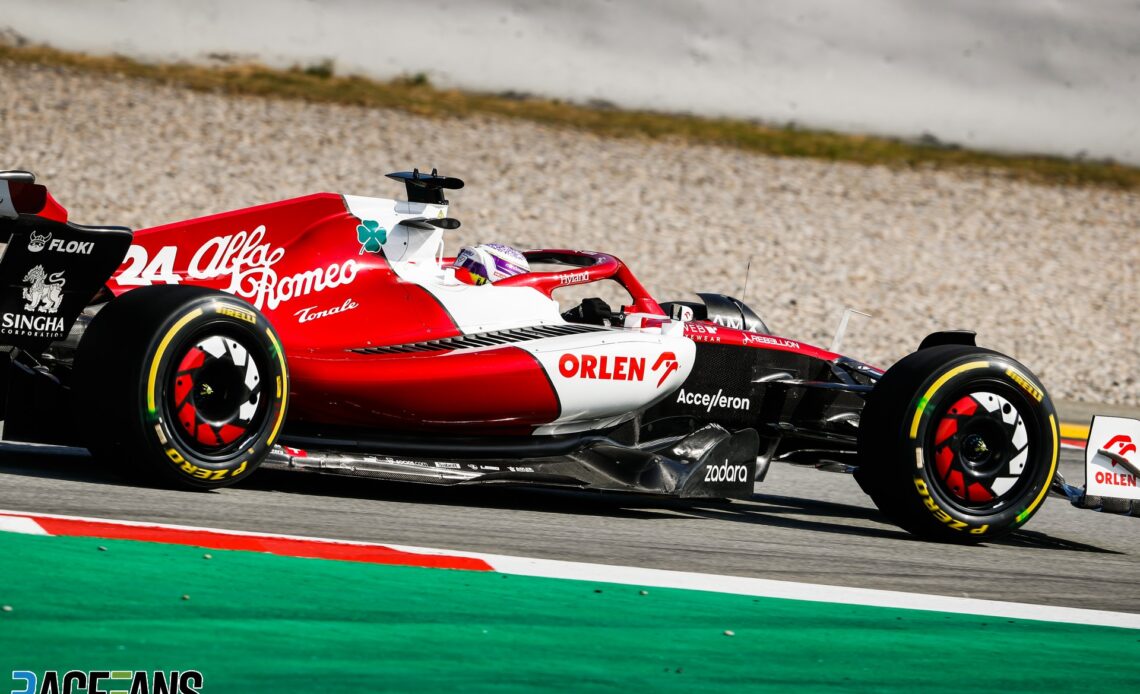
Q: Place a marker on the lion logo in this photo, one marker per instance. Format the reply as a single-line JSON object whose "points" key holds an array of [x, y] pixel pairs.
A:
{"points": [[36, 242], [44, 292]]}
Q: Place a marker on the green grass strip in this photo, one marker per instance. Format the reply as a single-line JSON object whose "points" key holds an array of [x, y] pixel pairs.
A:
{"points": [[263, 623], [417, 95]]}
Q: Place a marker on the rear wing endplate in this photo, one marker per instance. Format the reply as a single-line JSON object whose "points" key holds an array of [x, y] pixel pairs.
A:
{"points": [[50, 269]]}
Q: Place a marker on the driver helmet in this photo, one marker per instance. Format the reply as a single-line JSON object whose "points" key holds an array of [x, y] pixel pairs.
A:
{"points": [[491, 262]]}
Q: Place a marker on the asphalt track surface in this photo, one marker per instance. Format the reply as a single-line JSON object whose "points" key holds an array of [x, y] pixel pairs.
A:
{"points": [[801, 525]]}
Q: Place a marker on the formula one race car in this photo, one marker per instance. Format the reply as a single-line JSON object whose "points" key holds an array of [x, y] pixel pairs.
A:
{"points": [[328, 333]]}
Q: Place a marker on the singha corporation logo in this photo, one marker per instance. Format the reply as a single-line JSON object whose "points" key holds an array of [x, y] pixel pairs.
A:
{"points": [[36, 242], [44, 292]]}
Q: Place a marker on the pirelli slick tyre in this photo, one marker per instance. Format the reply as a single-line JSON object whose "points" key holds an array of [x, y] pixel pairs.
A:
{"points": [[185, 386], [958, 444]]}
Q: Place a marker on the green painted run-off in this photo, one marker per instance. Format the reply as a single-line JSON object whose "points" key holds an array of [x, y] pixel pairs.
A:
{"points": [[263, 623]]}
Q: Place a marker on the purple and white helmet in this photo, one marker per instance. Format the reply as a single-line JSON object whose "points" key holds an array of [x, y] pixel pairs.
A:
{"points": [[491, 262]]}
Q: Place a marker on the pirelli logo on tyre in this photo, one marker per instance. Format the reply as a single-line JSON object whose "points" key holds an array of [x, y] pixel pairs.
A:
{"points": [[236, 312], [1034, 392]]}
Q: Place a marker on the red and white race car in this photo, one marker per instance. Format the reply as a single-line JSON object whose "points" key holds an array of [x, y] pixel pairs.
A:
{"points": [[328, 333]]}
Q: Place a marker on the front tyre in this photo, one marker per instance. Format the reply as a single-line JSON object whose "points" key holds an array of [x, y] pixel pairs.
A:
{"points": [[958, 444], [182, 385]]}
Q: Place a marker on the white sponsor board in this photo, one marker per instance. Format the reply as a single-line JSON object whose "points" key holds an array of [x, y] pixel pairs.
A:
{"points": [[1112, 458]]}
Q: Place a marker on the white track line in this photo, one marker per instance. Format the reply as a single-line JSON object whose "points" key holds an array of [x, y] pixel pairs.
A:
{"points": [[23, 521], [791, 590]]}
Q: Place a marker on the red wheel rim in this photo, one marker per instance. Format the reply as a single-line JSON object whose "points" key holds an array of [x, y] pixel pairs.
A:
{"points": [[215, 394], [980, 447]]}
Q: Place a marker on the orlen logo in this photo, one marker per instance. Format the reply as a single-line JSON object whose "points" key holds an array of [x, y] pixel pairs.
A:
{"points": [[667, 361], [618, 368], [603, 368], [1125, 444]]}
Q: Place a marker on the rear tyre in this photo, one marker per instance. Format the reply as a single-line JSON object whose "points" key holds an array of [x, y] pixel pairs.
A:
{"points": [[958, 444], [185, 386]]}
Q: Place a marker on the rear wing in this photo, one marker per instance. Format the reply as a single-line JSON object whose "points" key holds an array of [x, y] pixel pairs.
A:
{"points": [[50, 269], [19, 194], [1112, 468]]}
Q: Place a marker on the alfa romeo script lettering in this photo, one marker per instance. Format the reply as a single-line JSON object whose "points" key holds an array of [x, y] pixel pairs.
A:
{"points": [[245, 260], [310, 313], [726, 473]]}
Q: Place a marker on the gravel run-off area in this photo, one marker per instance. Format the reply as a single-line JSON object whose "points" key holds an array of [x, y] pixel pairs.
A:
{"points": [[1048, 274]]}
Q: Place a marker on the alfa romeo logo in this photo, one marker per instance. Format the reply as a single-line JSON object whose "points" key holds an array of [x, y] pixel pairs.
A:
{"points": [[371, 236]]}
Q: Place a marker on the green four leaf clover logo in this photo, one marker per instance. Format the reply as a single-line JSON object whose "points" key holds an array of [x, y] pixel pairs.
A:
{"points": [[371, 236]]}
